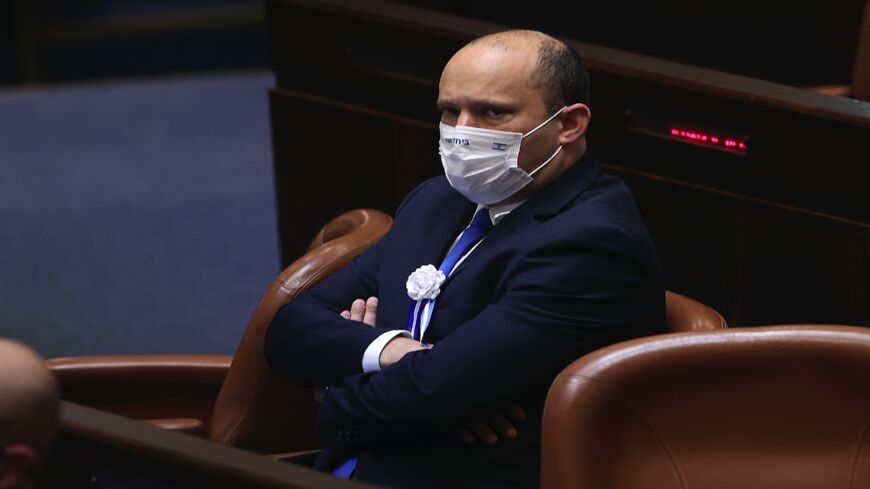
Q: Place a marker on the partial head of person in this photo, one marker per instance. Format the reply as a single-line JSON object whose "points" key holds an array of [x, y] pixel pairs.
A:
{"points": [[514, 112], [29, 402]]}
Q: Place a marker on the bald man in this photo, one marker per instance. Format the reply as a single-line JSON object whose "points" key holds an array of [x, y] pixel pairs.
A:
{"points": [[438, 344], [28, 414]]}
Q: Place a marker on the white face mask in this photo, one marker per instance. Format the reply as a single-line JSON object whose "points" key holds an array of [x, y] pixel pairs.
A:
{"points": [[481, 164]]}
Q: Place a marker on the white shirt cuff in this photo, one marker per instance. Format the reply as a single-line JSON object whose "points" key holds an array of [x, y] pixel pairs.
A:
{"points": [[371, 361]]}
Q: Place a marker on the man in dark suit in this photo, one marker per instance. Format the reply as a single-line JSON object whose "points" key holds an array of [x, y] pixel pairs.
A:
{"points": [[542, 259]]}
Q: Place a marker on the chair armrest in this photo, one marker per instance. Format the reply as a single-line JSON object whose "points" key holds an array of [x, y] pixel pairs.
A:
{"points": [[140, 369], [190, 426], [289, 455], [161, 388], [836, 90]]}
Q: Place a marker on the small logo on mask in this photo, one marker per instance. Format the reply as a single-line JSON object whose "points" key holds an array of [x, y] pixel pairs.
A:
{"points": [[459, 141], [499, 146]]}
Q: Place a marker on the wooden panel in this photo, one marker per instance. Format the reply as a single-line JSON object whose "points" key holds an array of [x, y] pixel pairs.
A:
{"points": [[148, 401], [97, 449], [755, 261], [336, 156], [401, 45]]}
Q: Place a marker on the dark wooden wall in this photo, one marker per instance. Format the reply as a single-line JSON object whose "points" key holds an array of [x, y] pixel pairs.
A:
{"points": [[778, 235], [798, 43]]}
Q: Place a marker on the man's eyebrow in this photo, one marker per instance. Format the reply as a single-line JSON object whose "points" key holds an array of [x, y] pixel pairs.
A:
{"points": [[482, 103], [485, 104]]}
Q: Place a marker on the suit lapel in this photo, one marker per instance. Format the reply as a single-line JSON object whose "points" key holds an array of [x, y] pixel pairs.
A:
{"points": [[548, 202]]}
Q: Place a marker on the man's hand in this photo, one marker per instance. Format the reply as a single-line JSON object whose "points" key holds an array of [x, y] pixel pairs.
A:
{"points": [[491, 429], [365, 311], [397, 348]]}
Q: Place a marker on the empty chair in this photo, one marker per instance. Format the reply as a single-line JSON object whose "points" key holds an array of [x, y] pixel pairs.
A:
{"points": [[770, 407]]}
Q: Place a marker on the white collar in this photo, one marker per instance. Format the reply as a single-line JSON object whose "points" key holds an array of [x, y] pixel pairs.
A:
{"points": [[499, 212]]}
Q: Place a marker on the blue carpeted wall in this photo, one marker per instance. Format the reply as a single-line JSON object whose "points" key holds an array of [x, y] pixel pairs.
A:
{"points": [[135, 217]]}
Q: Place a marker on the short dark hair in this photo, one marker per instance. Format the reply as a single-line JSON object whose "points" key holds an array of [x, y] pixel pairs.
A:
{"points": [[561, 74]]}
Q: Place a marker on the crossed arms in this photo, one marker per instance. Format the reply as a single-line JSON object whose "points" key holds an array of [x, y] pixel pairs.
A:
{"points": [[558, 305]]}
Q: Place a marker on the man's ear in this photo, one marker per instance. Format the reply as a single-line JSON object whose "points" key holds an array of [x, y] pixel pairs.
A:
{"points": [[575, 120], [17, 461]]}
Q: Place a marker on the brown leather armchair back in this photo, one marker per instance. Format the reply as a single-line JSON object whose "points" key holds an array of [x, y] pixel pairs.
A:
{"points": [[768, 407], [256, 409], [684, 315]]}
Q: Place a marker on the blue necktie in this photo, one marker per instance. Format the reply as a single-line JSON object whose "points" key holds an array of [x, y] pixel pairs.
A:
{"points": [[345, 470], [480, 225]]}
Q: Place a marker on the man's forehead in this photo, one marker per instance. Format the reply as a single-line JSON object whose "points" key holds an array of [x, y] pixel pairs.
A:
{"points": [[486, 58], [501, 70]]}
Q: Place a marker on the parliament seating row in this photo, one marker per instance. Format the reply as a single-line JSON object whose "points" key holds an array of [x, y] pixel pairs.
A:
{"points": [[774, 407], [239, 400], [678, 407]]}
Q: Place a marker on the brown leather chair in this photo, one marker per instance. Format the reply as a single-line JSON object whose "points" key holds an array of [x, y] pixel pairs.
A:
{"points": [[684, 315], [235, 400], [769, 407], [860, 87]]}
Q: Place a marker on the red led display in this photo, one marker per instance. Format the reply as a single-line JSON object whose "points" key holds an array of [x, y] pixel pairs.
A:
{"points": [[706, 139]]}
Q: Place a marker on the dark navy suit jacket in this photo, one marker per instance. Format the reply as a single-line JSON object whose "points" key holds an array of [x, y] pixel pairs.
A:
{"points": [[569, 271]]}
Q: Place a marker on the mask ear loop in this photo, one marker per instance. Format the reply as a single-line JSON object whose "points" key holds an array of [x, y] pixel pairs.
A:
{"points": [[532, 173], [544, 123]]}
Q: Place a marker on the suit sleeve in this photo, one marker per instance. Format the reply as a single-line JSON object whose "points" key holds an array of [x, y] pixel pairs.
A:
{"points": [[308, 343], [563, 300]]}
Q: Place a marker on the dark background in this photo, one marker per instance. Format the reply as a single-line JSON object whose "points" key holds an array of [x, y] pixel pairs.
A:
{"points": [[796, 43], [56, 41]]}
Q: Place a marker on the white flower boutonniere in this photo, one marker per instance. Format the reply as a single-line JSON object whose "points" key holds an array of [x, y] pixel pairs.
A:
{"points": [[425, 283]]}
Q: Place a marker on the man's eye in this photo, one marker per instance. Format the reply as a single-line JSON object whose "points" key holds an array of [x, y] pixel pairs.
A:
{"points": [[494, 112], [449, 112]]}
